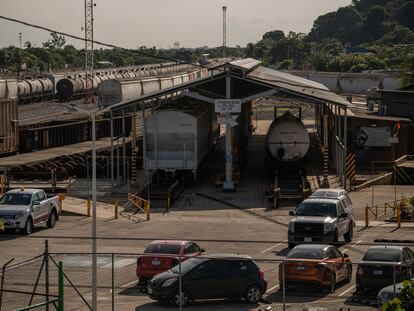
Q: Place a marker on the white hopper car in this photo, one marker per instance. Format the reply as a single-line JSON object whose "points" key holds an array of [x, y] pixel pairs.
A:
{"points": [[113, 91], [287, 139], [177, 138]]}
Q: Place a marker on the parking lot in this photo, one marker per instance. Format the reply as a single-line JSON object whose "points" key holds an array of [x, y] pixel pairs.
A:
{"points": [[214, 226]]}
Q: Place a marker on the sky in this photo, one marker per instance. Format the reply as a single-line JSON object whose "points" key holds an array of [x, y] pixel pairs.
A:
{"points": [[159, 23]]}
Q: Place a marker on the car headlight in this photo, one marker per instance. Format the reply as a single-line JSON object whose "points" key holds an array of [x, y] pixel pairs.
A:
{"points": [[291, 226], [169, 282], [18, 215], [328, 228]]}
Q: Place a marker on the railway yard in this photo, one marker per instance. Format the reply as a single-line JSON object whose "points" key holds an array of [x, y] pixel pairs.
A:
{"points": [[221, 156]]}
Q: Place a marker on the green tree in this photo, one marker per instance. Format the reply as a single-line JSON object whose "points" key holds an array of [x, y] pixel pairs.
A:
{"points": [[403, 301], [56, 42]]}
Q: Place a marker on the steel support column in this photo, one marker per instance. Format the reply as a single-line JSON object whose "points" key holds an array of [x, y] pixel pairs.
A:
{"points": [[123, 146], [228, 184], [345, 142], [111, 120]]}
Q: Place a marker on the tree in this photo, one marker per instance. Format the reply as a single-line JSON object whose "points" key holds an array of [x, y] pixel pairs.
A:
{"points": [[275, 35], [403, 301], [376, 16], [56, 42], [405, 15], [28, 45]]}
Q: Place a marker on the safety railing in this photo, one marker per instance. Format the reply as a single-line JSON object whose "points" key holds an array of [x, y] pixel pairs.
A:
{"points": [[142, 204], [383, 210]]}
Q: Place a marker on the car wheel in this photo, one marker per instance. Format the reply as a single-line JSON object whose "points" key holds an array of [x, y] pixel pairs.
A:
{"points": [[28, 228], [349, 275], [253, 294], [335, 237], [350, 234], [184, 299], [332, 283], [51, 222]]}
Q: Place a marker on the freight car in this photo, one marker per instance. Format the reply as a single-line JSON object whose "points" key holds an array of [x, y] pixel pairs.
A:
{"points": [[287, 139], [38, 88], [178, 136], [287, 144], [113, 91]]}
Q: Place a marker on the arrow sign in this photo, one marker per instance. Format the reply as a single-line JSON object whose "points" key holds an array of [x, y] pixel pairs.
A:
{"points": [[226, 119]]}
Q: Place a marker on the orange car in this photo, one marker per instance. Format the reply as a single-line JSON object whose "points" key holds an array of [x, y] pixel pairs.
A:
{"points": [[315, 263]]}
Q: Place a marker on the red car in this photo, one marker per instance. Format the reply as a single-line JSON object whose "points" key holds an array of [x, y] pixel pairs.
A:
{"points": [[160, 256]]}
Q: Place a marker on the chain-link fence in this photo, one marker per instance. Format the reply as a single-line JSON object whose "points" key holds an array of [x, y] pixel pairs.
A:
{"points": [[27, 285], [220, 282]]}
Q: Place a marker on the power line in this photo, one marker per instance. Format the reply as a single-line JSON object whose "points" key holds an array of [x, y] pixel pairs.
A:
{"points": [[98, 42]]}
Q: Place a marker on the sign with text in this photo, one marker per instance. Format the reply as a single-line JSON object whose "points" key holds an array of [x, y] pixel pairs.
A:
{"points": [[371, 137], [227, 119], [227, 106]]}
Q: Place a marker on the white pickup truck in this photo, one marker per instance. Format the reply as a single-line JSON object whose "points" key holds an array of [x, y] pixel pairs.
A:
{"points": [[22, 209]]}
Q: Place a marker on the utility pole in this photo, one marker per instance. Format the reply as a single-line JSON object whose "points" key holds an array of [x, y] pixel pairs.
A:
{"points": [[224, 31], [20, 57], [89, 51]]}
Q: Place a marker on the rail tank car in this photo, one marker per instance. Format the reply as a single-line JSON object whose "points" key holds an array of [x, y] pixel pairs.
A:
{"points": [[287, 139]]}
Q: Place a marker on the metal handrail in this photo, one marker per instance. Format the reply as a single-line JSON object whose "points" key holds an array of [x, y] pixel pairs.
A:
{"points": [[140, 203], [393, 205]]}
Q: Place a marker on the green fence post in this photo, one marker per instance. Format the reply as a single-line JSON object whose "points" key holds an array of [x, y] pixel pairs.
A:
{"points": [[60, 284]]}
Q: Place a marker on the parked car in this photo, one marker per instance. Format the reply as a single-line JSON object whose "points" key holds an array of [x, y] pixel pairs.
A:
{"points": [[372, 275], [319, 264], [214, 277], [162, 255], [22, 209], [387, 293], [324, 217]]}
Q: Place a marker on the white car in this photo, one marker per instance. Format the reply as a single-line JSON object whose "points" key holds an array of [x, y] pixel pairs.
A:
{"points": [[22, 209]]}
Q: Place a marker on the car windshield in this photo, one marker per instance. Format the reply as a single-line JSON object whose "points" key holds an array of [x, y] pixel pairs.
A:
{"points": [[383, 254], [316, 209], [162, 248], [188, 265], [15, 199], [307, 253]]}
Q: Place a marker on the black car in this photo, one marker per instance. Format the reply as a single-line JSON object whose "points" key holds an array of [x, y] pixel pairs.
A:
{"points": [[372, 275], [212, 277]]}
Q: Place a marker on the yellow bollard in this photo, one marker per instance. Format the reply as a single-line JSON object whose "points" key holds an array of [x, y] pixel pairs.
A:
{"points": [[399, 217], [88, 207], [147, 209], [116, 208], [366, 217], [70, 184], [2, 184], [61, 198]]}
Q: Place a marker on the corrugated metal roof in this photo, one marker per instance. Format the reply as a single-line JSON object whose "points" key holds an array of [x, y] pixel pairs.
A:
{"points": [[245, 64], [297, 85]]}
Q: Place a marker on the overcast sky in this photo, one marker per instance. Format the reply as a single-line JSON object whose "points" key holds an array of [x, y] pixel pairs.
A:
{"points": [[133, 23]]}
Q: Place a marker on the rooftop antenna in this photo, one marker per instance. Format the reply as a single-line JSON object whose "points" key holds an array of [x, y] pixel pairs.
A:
{"points": [[224, 31]]}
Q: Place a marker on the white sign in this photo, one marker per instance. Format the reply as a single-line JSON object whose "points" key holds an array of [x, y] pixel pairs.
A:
{"points": [[394, 140], [227, 119], [227, 106], [373, 137]]}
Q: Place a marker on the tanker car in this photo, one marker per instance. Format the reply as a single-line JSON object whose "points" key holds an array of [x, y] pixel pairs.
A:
{"points": [[287, 144]]}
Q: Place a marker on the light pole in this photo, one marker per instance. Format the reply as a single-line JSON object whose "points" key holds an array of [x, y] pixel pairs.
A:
{"points": [[92, 114]]}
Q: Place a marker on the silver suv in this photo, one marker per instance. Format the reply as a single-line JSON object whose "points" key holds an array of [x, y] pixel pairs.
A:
{"points": [[324, 217]]}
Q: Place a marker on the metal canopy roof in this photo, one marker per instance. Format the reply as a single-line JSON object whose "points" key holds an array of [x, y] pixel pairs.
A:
{"points": [[248, 70], [300, 86]]}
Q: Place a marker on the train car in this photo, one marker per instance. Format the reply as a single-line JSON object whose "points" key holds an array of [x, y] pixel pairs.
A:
{"points": [[287, 139], [111, 92], [287, 144], [178, 136], [8, 116], [68, 88]]}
